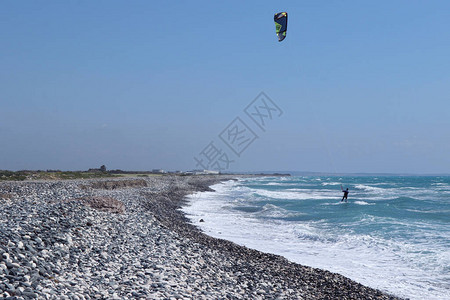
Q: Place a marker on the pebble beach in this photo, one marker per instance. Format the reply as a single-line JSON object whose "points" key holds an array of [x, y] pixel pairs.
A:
{"points": [[126, 238]]}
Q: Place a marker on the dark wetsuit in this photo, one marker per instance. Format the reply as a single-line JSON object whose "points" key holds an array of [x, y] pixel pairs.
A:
{"points": [[345, 195]]}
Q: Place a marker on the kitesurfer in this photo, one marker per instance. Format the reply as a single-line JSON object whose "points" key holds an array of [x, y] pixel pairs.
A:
{"points": [[345, 194]]}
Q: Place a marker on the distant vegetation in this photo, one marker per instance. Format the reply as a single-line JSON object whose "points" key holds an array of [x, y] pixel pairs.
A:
{"points": [[9, 175], [101, 172], [51, 175]]}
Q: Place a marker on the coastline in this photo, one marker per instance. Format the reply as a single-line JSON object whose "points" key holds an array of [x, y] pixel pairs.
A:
{"points": [[55, 243]]}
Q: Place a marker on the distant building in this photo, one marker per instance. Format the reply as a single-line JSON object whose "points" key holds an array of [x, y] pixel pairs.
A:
{"points": [[205, 172], [211, 172], [159, 171]]}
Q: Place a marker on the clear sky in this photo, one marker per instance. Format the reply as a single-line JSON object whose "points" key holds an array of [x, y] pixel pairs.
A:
{"points": [[364, 86]]}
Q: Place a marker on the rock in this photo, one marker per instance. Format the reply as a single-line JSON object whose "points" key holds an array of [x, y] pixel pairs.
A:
{"points": [[56, 247], [5, 256]]}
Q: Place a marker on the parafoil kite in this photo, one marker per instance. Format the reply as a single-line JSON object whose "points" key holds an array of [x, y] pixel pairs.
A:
{"points": [[281, 25]]}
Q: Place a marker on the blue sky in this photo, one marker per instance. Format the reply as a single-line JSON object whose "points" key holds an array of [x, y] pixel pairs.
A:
{"points": [[364, 87]]}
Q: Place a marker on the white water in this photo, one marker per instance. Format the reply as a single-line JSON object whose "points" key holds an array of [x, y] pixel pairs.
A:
{"points": [[387, 265]]}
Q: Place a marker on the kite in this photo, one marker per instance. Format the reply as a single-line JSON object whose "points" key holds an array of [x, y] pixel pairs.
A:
{"points": [[281, 25]]}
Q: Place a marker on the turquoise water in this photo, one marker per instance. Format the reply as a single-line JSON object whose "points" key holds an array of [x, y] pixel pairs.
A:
{"points": [[393, 234]]}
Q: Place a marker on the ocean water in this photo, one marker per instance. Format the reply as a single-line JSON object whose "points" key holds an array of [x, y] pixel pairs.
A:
{"points": [[393, 234]]}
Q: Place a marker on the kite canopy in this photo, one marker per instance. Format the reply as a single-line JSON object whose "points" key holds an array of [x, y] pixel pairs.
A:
{"points": [[281, 25]]}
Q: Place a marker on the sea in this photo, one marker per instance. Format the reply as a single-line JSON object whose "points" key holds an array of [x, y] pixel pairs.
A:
{"points": [[393, 234]]}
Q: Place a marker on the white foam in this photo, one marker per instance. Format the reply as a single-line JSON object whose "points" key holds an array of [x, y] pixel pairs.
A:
{"points": [[363, 203], [331, 183], [280, 184], [335, 203], [395, 266], [389, 265], [370, 188], [298, 194]]}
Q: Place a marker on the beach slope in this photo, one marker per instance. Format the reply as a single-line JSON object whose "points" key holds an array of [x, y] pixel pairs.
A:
{"points": [[127, 238]]}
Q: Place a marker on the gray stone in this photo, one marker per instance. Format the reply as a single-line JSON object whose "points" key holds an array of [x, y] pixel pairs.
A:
{"points": [[147, 251]]}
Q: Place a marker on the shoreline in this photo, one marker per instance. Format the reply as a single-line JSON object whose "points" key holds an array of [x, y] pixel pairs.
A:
{"points": [[320, 284], [55, 243]]}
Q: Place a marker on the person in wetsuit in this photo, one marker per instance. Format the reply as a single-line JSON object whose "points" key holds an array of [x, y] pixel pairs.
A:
{"points": [[345, 194]]}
